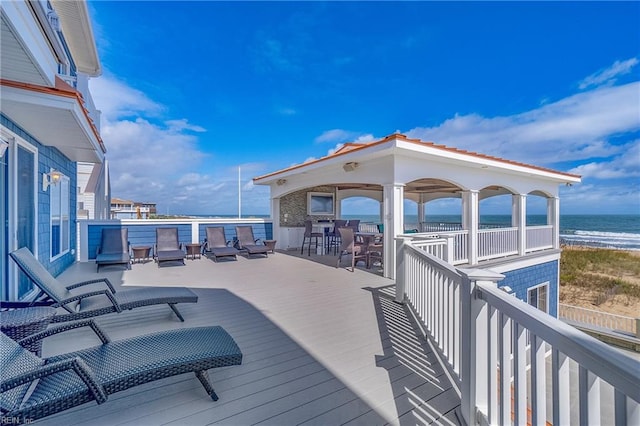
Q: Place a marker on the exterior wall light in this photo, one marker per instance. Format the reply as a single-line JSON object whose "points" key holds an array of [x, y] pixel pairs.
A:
{"points": [[351, 166], [281, 182], [51, 178]]}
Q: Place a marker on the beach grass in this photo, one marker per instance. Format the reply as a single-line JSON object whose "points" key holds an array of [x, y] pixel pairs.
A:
{"points": [[604, 271]]}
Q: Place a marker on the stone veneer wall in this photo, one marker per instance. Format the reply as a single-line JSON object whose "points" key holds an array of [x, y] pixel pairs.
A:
{"points": [[295, 206]]}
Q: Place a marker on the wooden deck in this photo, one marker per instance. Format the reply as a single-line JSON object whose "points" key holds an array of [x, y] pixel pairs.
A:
{"points": [[322, 346]]}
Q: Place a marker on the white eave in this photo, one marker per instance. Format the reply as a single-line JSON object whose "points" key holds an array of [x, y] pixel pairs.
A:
{"points": [[398, 144], [55, 118], [78, 33]]}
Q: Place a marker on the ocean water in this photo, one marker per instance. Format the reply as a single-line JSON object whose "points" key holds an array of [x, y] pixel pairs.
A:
{"points": [[611, 231]]}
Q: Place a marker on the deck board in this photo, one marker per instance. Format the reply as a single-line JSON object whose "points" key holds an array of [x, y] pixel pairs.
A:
{"points": [[321, 346]]}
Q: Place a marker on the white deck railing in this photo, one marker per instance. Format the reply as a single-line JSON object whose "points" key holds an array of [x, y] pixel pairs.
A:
{"points": [[492, 243], [497, 242], [605, 320], [539, 237], [512, 362]]}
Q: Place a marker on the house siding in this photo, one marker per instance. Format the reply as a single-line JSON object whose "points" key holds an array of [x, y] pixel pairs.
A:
{"points": [[520, 280], [50, 158]]}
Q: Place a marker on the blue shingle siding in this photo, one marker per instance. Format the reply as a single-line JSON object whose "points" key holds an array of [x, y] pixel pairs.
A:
{"points": [[50, 158], [139, 235], [520, 280]]}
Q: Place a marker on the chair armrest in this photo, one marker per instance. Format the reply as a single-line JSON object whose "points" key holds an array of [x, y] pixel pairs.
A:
{"points": [[65, 327], [91, 294], [76, 364], [94, 281]]}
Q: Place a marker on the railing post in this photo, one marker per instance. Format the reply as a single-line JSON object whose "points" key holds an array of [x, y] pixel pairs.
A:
{"points": [[83, 241], [474, 372], [449, 255], [195, 232], [400, 268]]}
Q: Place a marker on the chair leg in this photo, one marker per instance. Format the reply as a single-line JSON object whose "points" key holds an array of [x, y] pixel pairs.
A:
{"points": [[175, 311], [204, 379]]}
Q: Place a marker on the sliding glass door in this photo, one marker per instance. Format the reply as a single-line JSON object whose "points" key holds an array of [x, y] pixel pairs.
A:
{"points": [[22, 211]]}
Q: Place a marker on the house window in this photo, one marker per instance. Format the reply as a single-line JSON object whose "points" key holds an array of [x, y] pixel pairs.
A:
{"points": [[538, 297], [60, 220]]}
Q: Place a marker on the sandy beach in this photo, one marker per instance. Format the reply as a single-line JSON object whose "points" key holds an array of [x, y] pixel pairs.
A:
{"points": [[619, 304]]}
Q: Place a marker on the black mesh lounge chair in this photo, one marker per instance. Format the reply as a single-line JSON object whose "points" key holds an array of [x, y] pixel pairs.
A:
{"points": [[217, 243], [95, 302], [114, 248], [65, 381], [247, 242], [168, 248]]}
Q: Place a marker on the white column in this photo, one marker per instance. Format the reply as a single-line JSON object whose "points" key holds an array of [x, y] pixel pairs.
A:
{"points": [[553, 218], [338, 206], [470, 222], [275, 217], [519, 219], [421, 211], [393, 218]]}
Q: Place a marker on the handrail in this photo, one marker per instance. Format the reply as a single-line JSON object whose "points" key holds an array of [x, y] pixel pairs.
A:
{"points": [[606, 320], [591, 353], [488, 340]]}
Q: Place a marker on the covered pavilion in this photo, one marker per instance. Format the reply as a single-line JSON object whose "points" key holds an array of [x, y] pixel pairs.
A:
{"points": [[396, 168]]}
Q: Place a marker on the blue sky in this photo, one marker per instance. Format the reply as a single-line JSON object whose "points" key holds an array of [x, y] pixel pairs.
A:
{"points": [[191, 91]]}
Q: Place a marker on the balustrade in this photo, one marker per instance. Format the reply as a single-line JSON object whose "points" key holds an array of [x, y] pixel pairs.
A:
{"points": [[512, 362]]}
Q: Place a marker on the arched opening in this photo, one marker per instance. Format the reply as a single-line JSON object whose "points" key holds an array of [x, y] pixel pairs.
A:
{"points": [[364, 208]]}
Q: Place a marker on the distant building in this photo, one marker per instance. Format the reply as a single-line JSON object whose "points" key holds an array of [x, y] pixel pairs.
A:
{"points": [[94, 191], [126, 209]]}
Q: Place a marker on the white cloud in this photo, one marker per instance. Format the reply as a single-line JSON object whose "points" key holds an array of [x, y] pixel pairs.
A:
{"points": [[336, 135], [626, 165], [609, 75], [183, 124], [152, 158], [574, 128], [341, 136], [116, 100]]}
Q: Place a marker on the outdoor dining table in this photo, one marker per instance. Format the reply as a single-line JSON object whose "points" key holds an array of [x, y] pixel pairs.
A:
{"points": [[368, 238]]}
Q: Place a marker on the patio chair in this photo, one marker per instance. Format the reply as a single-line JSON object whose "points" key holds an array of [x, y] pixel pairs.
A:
{"points": [[354, 224], [333, 237], [350, 246], [247, 242], [309, 235], [375, 251], [114, 248], [68, 380], [168, 248], [217, 244], [95, 302]]}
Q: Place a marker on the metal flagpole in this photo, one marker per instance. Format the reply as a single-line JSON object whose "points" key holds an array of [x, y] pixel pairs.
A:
{"points": [[239, 195]]}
